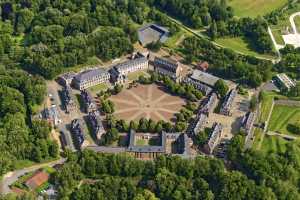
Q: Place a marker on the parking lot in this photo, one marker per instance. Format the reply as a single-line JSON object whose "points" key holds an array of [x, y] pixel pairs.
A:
{"points": [[54, 96]]}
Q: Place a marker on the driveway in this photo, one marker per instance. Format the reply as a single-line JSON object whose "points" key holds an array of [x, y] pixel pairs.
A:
{"points": [[11, 177]]}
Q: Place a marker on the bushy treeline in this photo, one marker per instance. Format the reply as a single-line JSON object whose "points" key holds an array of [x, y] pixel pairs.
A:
{"points": [[21, 138], [47, 36], [196, 13], [255, 31], [278, 171], [123, 177], [226, 63], [290, 61]]}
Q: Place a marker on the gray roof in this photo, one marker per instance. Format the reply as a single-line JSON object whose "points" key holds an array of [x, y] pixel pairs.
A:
{"points": [[68, 76], [127, 64], [152, 33], [90, 74], [204, 77], [146, 149], [103, 149]]}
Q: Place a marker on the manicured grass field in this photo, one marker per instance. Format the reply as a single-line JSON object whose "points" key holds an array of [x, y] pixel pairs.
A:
{"points": [[97, 88], [135, 75], [254, 8], [282, 116], [274, 144], [240, 45]]}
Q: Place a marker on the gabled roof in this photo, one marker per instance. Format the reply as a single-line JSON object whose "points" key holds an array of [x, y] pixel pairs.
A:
{"points": [[89, 74], [204, 77], [37, 179]]}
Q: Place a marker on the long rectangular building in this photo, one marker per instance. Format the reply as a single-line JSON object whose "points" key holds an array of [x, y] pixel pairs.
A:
{"points": [[285, 81], [214, 138], [96, 124], [248, 122], [168, 67], [77, 131], [88, 100], [90, 78], [208, 104], [120, 71], [69, 99], [199, 123], [227, 104]]}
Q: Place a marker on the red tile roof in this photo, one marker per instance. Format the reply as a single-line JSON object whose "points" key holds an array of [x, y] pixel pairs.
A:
{"points": [[37, 180]]}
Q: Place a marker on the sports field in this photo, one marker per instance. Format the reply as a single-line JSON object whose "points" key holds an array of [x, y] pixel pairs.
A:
{"points": [[254, 8], [282, 116]]}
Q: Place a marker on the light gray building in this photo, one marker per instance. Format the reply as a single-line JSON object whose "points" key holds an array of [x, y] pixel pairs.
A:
{"points": [[202, 81], [214, 138], [152, 33], [90, 78], [120, 71], [227, 104]]}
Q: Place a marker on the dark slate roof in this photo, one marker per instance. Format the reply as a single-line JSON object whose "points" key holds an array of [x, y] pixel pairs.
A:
{"points": [[69, 75], [89, 74]]}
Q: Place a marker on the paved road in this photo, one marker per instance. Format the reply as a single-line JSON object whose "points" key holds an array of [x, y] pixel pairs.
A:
{"points": [[290, 137], [199, 34], [293, 24], [11, 177], [277, 46]]}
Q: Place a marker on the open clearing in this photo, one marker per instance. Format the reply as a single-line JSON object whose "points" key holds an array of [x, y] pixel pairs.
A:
{"points": [[282, 117], [148, 101], [253, 8], [240, 45]]}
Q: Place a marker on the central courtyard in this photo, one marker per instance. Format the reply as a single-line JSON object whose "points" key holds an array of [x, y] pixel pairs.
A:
{"points": [[146, 101]]}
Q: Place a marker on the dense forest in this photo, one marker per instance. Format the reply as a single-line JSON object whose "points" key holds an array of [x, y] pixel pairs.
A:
{"points": [[226, 63], [21, 138]]}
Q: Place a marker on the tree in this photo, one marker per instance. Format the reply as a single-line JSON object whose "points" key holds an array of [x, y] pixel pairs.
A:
{"points": [[221, 88], [133, 125], [212, 31], [180, 126], [253, 103], [118, 88]]}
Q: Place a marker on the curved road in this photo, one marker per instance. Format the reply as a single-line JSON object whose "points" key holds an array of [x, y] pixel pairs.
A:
{"points": [[11, 177], [293, 24]]}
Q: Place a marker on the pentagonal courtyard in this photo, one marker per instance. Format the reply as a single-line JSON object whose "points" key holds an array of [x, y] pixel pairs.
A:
{"points": [[148, 101]]}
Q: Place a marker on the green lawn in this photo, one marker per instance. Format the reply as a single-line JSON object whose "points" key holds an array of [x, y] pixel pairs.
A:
{"points": [[274, 144], [240, 45], [173, 41], [297, 22], [97, 88], [141, 142], [135, 75], [282, 116], [253, 8], [257, 138]]}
